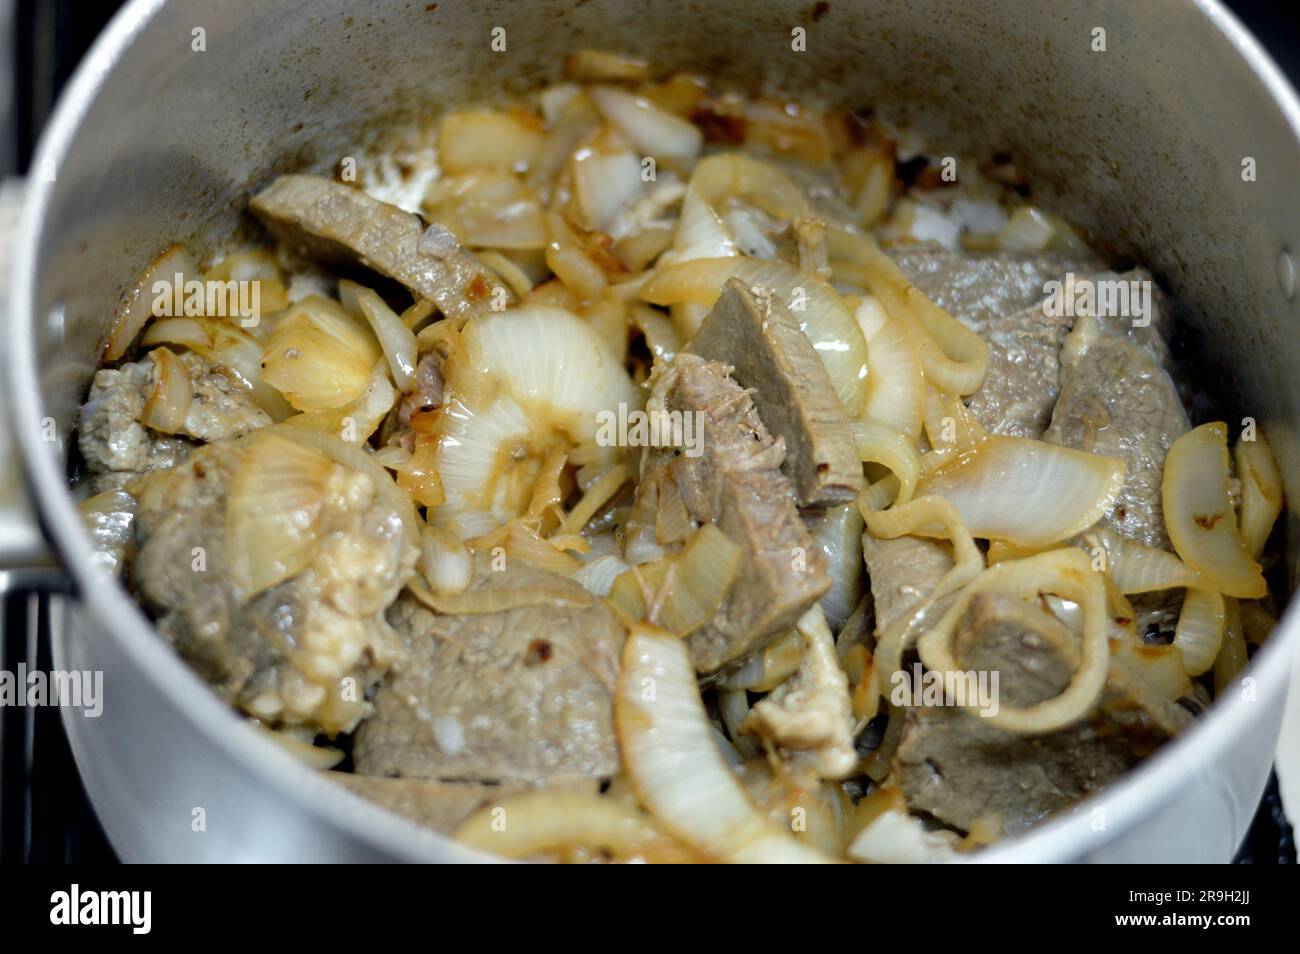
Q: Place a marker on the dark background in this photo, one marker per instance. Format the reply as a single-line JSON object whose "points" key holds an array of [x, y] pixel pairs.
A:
{"points": [[44, 815]]}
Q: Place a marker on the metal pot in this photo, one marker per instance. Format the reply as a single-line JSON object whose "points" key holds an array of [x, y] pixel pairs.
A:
{"points": [[183, 107]]}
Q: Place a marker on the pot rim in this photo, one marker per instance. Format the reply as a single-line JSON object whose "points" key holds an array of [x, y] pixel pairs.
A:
{"points": [[1138, 795]]}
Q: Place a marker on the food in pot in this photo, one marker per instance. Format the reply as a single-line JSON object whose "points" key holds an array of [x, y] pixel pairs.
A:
{"points": [[681, 475]]}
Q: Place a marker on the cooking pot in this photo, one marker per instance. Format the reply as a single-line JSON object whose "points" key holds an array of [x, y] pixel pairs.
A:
{"points": [[1142, 122]]}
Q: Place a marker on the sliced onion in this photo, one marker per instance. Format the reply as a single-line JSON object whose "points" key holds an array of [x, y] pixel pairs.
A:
{"points": [[598, 576], [1199, 515], [1135, 567], [444, 561], [596, 496], [604, 183], [169, 400], [395, 338], [531, 823], [669, 138], [733, 706], [1261, 492], [1066, 572], [520, 540], [880, 444], [763, 671], [171, 266], [1200, 629], [895, 380], [1160, 668], [1026, 491], [895, 837], [276, 499], [823, 316], [421, 478], [496, 599], [356, 422], [491, 140], [682, 592], [700, 231], [318, 356], [678, 773], [1232, 658], [922, 515], [601, 66], [839, 536], [733, 175], [954, 357], [661, 337]]}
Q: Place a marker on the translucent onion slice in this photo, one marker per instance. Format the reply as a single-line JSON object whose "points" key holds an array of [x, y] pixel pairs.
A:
{"points": [[1161, 668], [661, 335], [421, 478], [553, 364], [1200, 629], [356, 422], [682, 592], [839, 536], [1066, 572], [1232, 658], [137, 306], [733, 175], [598, 576], [670, 139], [818, 308], [1025, 491], [676, 770], [531, 823], [895, 380], [764, 671], [600, 66], [169, 400], [318, 356], [276, 498], [954, 357], [1136, 567], [444, 561], [881, 444], [1199, 515], [396, 340], [520, 540], [483, 139], [1261, 492], [700, 232], [594, 497], [924, 514], [895, 837]]}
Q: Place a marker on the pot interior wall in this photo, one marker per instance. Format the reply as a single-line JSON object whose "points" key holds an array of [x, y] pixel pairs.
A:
{"points": [[1142, 143]]}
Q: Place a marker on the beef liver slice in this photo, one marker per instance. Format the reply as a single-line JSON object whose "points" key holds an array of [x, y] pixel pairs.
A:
{"points": [[341, 225], [955, 766], [1117, 401], [903, 572], [519, 695], [737, 483], [760, 339]]}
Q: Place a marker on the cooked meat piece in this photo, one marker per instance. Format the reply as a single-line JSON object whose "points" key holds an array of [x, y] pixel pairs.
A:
{"points": [[117, 446], [903, 571], [440, 806], [522, 694], [760, 339], [427, 393], [1116, 401], [956, 767], [737, 484], [343, 226], [301, 653]]}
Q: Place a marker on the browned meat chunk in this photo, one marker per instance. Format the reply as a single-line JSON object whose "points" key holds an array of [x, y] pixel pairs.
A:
{"points": [[761, 340], [520, 694], [301, 653], [957, 767], [343, 226], [737, 484], [1117, 401], [903, 571]]}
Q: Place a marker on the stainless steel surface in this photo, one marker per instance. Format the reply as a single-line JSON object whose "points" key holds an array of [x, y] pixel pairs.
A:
{"points": [[155, 142]]}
